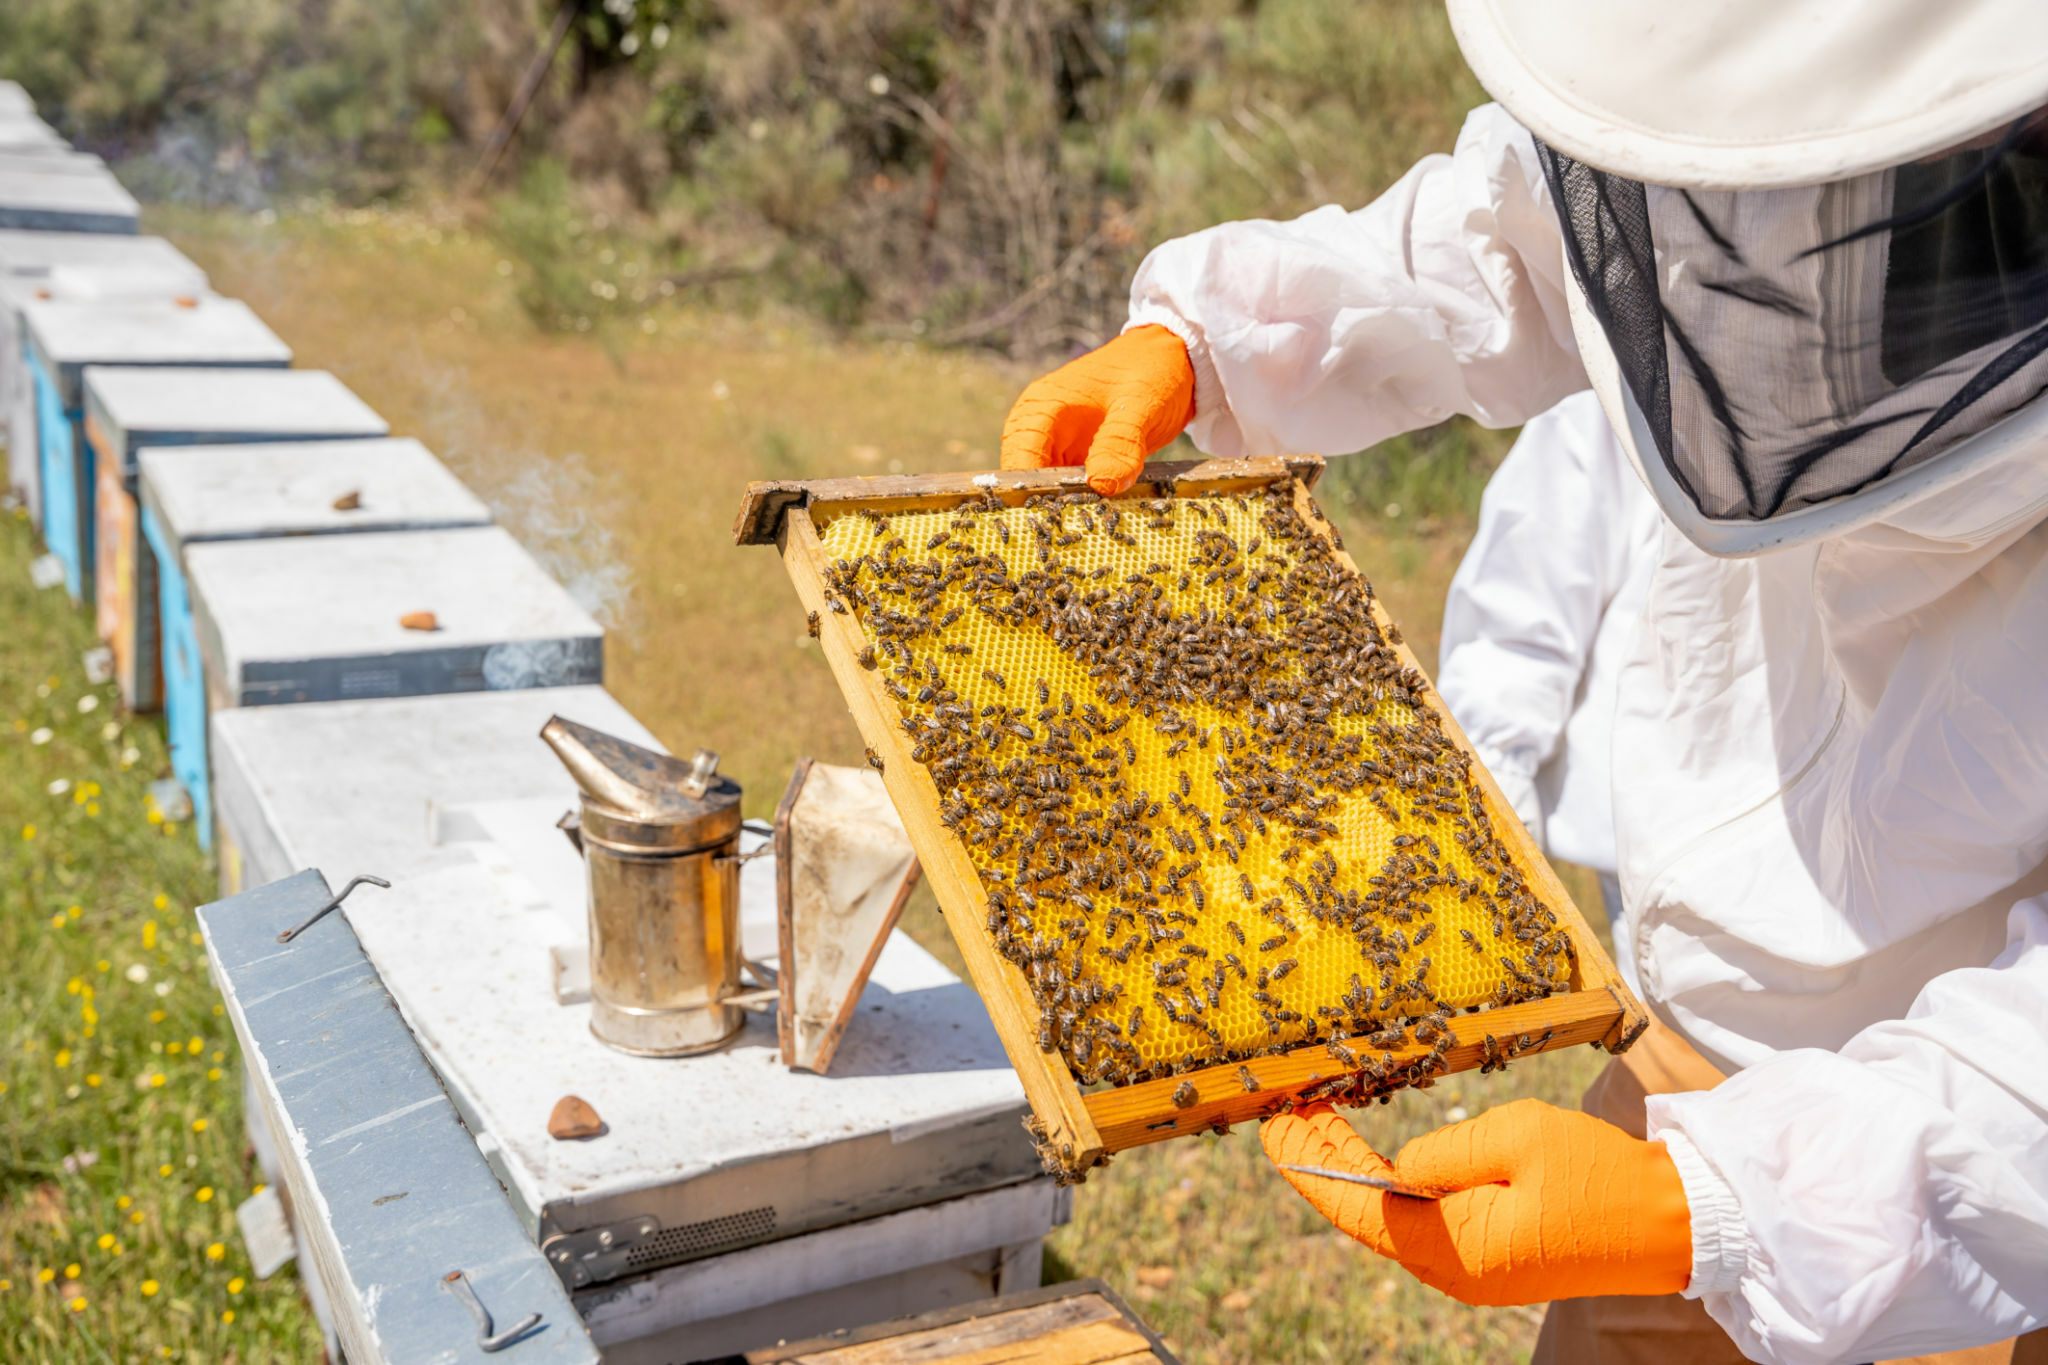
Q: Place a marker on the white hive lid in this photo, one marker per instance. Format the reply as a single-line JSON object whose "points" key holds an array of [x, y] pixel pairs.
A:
{"points": [[232, 492], [191, 406]]}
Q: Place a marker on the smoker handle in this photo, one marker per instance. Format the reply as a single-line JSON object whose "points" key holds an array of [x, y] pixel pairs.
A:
{"points": [[571, 824], [763, 851]]}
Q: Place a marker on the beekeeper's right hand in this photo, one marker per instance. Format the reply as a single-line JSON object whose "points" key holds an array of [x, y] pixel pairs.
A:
{"points": [[1108, 409]]}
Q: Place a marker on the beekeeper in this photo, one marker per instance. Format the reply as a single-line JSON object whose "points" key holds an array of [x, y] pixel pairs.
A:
{"points": [[1539, 617], [1800, 252]]}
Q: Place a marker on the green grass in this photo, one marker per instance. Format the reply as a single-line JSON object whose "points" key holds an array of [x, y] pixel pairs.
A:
{"points": [[121, 1147]]}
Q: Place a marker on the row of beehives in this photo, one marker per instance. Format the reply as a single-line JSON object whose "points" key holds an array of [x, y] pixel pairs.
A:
{"points": [[192, 486]]}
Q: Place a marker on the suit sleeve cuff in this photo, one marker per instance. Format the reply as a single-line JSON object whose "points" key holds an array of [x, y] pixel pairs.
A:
{"points": [[1720, 1237]]}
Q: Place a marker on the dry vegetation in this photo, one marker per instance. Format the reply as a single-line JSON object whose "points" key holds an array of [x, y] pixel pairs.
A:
{"points": [[619, 456]]}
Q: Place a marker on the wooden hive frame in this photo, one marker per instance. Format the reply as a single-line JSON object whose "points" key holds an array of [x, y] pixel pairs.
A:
{"points": [[1084, 1128]]}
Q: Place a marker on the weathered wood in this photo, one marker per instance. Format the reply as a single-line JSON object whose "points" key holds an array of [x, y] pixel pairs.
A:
{"points": [[762, 509], [1597, 1008], [1054, 1095], [1137, 1114], [1077, 1323]]}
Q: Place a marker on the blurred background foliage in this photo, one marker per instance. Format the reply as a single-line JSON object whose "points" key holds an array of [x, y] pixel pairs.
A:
{"points": [[962, 173], [980, 174]]}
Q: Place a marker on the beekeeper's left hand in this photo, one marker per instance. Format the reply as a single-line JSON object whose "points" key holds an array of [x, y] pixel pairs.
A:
{"points": [[1538, 1203]]}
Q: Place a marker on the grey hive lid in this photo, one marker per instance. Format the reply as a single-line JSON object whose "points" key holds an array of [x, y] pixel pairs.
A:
{"points": [[14, 101], [15, 161], [208, 330], [29, 252], [188, 406], [63, 199]]}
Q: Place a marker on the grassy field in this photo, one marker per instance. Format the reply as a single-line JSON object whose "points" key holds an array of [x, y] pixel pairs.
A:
{"points": [[618, 456], [121, 1153]]}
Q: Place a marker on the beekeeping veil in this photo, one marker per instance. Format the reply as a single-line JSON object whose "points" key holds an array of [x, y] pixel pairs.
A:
{"points": [[1809, 239]]}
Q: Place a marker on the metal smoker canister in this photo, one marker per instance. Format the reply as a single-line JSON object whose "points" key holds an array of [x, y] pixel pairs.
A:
{"points": [[660, 844]]}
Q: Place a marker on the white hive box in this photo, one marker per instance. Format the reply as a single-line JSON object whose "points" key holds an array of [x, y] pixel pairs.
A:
{"points": [[59, 200], [81, 267], [316, 618], [24, 132], [61, 338], [15, 102], [257, 492], [192, 495], [58, 162], [127, 410], [747, 1201]]}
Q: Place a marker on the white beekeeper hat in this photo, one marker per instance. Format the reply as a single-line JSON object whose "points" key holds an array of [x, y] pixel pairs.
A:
{"points": [[1755, 94], [1809, 240]]}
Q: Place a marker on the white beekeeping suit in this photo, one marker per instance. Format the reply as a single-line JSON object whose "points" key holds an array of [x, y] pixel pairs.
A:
{"points": [[1538, 620], [1831, 734]]}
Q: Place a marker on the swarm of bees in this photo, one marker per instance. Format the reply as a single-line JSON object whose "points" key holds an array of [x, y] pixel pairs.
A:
{"points": [[1213, 816]]}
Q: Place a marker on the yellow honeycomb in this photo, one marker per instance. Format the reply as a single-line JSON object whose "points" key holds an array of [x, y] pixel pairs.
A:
{"points": [[961, 608]]}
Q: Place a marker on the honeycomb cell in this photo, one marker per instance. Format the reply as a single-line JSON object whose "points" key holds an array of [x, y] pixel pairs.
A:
{"points": [[1203, 793]]}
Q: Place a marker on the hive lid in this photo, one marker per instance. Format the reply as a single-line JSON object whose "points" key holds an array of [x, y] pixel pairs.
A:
{"points": [[639, 783]]}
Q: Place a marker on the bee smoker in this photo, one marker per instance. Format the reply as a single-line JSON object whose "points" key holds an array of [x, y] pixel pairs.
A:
{"points": [[660, 845]]}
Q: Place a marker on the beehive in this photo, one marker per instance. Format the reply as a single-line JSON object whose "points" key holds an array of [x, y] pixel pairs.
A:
{"points": [[1215, 843]]}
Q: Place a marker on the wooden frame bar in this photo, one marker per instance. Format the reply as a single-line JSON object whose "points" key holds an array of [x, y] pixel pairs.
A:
{"points": [[1081, 1129]]}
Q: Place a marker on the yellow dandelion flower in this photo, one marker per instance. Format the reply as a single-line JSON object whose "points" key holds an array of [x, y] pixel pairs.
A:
{"points": [[135, 1217], [63, 1057], [164, 1169], [197, 938], [227, 1315], [78, 1304], [149, 1288], [205, 1196], [6, 1285], [193, 1045], [102, 965], [123, 1202], [73, 986], [45, 1275], [220, 1009], [73, 1271], [259, 1189], [106, 1240], [199, 1125], [215, 1250], [161, 901], [57, 920], [213, 1073], [156, 1016], [174, 1047], [74, 912], [149, 933], [92, 789], [235, 1285], [156, 1080], [28, 831], [170, 827], [92, 809], [93, 1079]]}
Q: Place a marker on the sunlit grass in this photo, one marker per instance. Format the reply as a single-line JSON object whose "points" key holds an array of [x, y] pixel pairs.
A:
{"points": [[121, 1148]]}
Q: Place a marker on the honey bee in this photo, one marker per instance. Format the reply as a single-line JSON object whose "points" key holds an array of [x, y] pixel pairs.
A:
{"points": [[811, 624], [1184, 1095], [874, 760]]}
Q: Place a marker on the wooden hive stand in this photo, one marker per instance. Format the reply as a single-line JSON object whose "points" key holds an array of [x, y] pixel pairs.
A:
{"points": [[1082, 1128]]}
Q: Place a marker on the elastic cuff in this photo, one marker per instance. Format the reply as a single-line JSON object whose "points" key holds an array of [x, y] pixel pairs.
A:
{"points": [[1517, 781], [1209, 402], [1720, 1237]]}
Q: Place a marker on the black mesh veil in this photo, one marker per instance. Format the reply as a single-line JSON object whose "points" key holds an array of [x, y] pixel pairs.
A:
{"points": [[1790, 347]]}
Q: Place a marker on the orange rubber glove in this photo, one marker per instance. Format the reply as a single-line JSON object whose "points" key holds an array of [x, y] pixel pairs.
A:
{"points": [[1108, 409], [1537, 1203]]}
